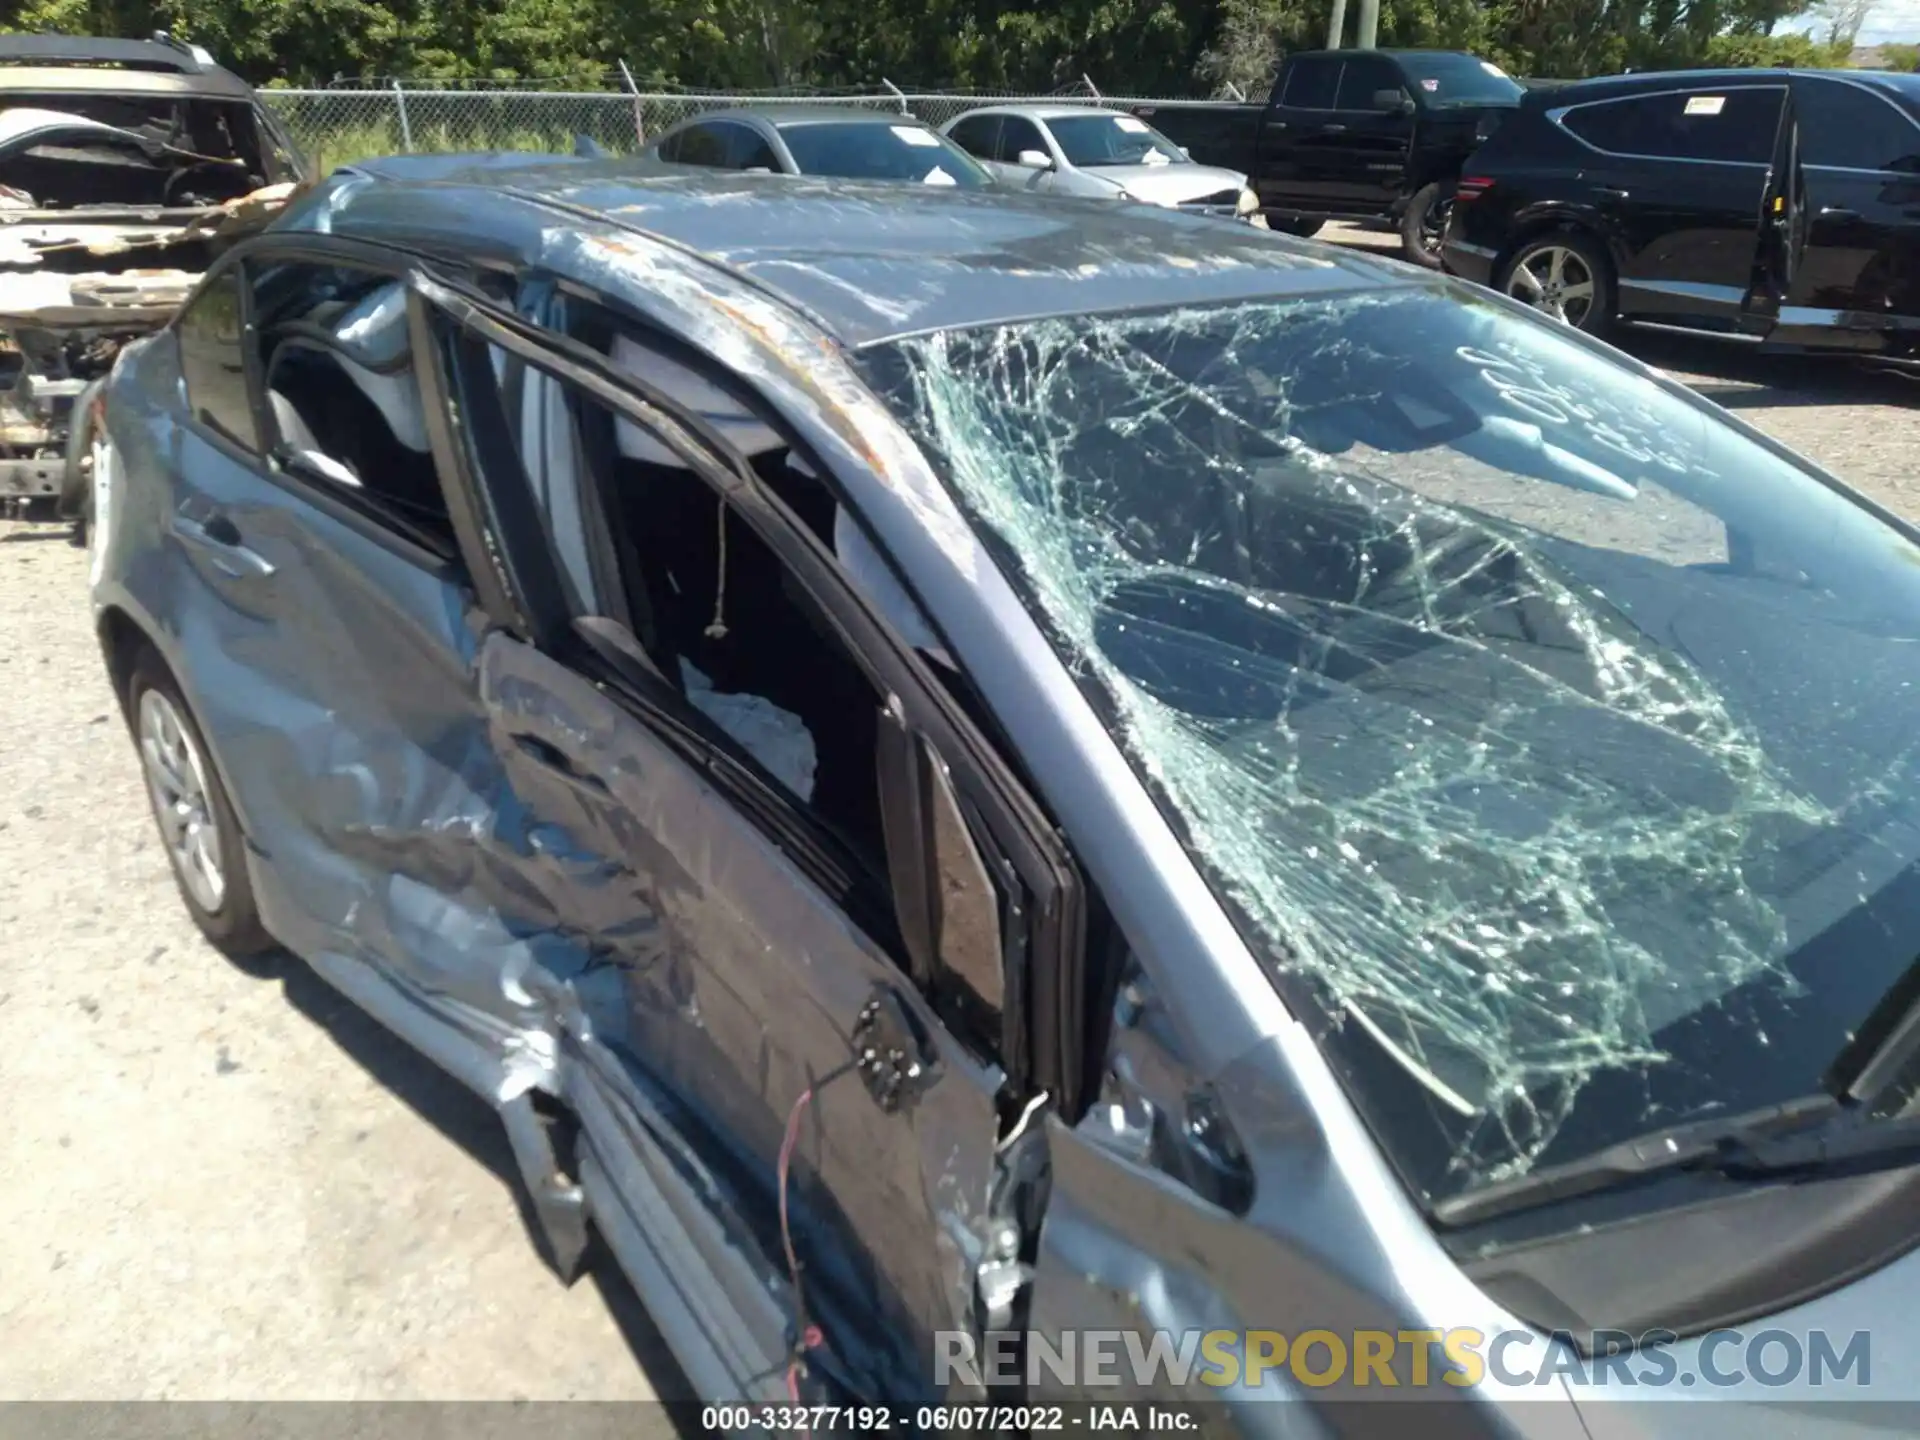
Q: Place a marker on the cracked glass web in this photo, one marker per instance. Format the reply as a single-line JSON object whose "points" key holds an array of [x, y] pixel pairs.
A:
{"points": [[1456, 648]]}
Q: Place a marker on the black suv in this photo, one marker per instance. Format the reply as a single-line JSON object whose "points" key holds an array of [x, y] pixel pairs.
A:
{"points": [[1771, 206], [1375, 137]]}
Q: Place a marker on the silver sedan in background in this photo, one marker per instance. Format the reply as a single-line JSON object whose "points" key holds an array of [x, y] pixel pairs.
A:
{"points": [[1082, 150]]}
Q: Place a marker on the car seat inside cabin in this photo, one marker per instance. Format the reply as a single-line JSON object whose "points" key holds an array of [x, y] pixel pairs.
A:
{"points": [[721, 612], [344, 397]]}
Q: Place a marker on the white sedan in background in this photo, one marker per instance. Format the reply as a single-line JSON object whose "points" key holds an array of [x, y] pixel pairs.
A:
{"points": [[1082, 150]]}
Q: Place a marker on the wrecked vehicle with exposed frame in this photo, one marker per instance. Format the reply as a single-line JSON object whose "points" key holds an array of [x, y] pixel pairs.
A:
{"points": [[126, 166], [965, 771]]}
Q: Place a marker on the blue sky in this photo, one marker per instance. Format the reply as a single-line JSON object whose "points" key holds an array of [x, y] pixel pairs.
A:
{"points": [[1890, 20]]}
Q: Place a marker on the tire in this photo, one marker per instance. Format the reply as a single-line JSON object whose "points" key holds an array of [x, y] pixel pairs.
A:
{"points": [[1301, 226], [1564, 254], [76, 494], [1423, 224], [174, 762]]}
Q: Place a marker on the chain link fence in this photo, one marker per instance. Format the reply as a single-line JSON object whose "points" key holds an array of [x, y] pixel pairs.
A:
{"points": [[339, 125]]}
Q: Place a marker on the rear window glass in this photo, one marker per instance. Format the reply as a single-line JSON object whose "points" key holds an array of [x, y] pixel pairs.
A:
{"points": [[1724, 125], [701, 145]]}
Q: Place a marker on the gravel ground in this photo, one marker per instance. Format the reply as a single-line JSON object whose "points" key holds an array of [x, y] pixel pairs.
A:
{"points": [[221, 1184], [217, 1184]]}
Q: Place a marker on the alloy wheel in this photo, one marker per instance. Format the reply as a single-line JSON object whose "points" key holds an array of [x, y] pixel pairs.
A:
{"points": [[1555, 280], [177, 780], [1433, 225]]}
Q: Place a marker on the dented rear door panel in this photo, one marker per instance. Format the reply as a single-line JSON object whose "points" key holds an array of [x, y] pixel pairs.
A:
{"points": [[333, 674]]}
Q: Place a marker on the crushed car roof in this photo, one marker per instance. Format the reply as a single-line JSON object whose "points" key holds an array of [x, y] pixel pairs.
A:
{"points": [[867, 261]]}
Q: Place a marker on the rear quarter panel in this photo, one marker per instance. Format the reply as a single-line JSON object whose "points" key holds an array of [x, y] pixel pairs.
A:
{"points": [[142, 407]]}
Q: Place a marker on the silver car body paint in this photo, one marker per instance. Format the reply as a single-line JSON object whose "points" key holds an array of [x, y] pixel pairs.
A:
{"points": [[1172, 182], [603, 959]]}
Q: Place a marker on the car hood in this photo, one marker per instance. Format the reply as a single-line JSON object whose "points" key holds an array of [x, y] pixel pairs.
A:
{"points": [[1169, 184], [1861, 1321]]}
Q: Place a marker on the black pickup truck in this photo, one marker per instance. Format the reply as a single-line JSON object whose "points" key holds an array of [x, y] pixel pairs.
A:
{"points": [[1374, 136]]}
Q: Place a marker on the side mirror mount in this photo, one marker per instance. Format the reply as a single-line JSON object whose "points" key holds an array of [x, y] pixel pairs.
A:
{"points": [[620, 648], [585, 147], [943, 890], [1185, 153], [1395, 102], [1035, 160]]}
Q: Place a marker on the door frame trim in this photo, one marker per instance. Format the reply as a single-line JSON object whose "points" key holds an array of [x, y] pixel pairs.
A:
{"points": [[1041, 1029]]}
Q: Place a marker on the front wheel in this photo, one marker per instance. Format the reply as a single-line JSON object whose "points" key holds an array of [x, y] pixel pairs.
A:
{"points": [[1423, 225], [1564, 276]]}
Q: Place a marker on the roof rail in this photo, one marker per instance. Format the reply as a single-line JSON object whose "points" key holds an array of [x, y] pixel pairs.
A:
{"points": [[162, 52], [200, 57]]}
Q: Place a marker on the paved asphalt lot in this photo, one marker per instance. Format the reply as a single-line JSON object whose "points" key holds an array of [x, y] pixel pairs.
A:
{"points": [[222, 1184]]}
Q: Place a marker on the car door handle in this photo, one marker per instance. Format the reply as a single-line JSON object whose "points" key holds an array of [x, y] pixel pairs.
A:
{"points": [[214, 532], [1333, 129], [1838, 212], [1609, 192]]}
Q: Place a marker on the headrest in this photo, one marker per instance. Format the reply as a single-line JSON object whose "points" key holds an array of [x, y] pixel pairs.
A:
{"points": [[373, 341], [374, 330]]}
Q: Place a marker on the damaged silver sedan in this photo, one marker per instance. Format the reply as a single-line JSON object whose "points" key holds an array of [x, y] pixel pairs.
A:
{"points": [[967, 772], [125, 168]]}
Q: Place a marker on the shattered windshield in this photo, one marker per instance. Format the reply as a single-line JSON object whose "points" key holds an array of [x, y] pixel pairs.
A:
{"points": [[1552, 740]]}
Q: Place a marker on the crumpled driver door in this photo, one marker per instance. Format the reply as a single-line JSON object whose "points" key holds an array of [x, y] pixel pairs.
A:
{"points": [[779, 1128]]}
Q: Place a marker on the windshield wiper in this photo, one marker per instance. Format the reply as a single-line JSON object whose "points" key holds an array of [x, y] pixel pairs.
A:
{"points": [[1813, 1136]]}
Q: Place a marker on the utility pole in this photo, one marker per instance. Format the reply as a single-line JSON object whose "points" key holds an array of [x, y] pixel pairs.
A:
{"points": [[1336, 24], [1369, 25]]}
